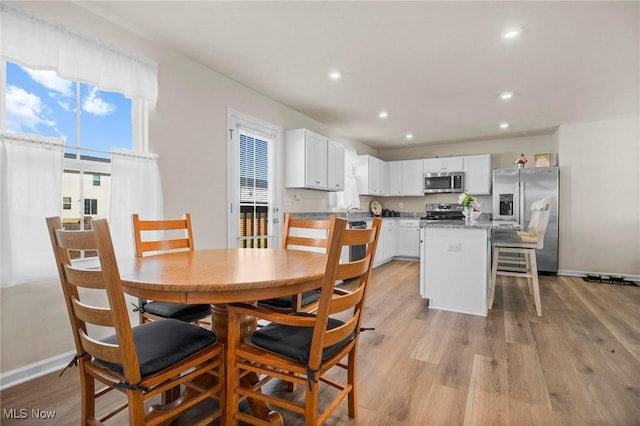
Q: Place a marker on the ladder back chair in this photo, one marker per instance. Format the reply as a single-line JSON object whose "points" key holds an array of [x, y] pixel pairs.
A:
{"points": [[301, 347], [316, 240], [142, 362], [514, 253], [151, 237]]}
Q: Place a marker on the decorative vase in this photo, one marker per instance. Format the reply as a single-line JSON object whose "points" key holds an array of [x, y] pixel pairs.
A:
{"points": [[468, 215]]}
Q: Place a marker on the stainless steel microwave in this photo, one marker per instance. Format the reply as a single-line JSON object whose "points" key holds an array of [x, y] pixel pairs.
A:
{"points": [[443, 182]]}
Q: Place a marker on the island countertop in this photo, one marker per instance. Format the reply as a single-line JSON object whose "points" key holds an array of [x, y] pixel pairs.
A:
{"points": [[479, 224]]}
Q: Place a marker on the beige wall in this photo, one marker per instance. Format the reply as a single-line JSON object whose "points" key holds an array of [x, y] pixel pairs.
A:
{"points": [[600, 197]]}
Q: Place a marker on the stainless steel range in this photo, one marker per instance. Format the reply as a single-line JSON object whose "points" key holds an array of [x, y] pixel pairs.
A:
{"points": [[443, 211]]}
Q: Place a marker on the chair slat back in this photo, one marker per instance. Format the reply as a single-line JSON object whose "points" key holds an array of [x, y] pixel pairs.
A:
{"points": [[156, 231], [104, 277], [541, 211], [359, 271], [292, 238]]}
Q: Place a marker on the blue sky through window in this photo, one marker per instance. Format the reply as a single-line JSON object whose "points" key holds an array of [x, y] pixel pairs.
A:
{"points": [[40, 102]]}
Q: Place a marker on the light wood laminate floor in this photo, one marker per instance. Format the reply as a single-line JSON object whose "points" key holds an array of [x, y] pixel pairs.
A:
{"points": [[577, 365]]}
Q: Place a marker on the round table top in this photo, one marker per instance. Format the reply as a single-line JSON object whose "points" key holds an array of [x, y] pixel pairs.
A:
{"points": [[222, 275]]}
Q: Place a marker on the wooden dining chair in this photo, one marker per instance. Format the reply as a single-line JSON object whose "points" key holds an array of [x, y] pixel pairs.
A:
{"points": [[302, 347], [152, 237], [514, 253], [141, 362], [301, 234]]}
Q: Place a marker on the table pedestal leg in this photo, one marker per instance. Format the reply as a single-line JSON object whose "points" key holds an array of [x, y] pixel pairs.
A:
{"points": [[219, 325]]}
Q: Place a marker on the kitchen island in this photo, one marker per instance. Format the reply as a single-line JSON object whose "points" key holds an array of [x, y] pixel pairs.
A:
{"points": [[455, 263]]}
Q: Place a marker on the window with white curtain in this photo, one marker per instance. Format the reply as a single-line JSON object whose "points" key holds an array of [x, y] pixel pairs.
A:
{"points": [[90, 122], [96, 114]]}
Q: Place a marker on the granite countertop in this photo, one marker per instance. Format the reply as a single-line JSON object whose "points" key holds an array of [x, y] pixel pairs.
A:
{"points": [[479, 224], [353, 216], [483, 222]]}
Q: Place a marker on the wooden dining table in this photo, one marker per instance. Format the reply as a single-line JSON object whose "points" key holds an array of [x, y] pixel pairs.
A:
{"points": [[222, 276]]}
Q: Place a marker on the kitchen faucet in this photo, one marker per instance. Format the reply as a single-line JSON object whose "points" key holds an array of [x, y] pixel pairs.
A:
{"points": [[349, 210]]}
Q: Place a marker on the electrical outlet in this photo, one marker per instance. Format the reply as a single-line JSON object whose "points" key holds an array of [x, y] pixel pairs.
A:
{"points": [[453, 246]]}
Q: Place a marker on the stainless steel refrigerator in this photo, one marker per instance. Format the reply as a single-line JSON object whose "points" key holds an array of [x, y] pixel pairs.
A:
{"points": [[514, 190]]}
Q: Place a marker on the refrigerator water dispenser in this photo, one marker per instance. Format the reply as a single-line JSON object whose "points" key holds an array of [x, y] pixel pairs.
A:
{"points": [[506, 204]]}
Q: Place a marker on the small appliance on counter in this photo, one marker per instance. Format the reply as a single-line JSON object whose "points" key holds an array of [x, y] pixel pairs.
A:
{"points": [[390, 213], [443, 211]]}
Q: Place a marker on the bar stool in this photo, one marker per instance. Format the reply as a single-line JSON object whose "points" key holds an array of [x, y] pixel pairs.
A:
{"points": [[514, 253]]}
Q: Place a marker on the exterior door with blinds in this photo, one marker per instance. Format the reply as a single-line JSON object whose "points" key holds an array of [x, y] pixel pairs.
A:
{"points": [[253, 218]]}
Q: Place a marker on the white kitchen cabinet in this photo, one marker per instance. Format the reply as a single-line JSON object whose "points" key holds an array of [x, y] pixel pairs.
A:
{"points": [[444, 164], [408, 244], [455, 269], [389, 229], [370, 176], [335, 166], [404, 178], [379, 257], [477, 174], [305, 159]]}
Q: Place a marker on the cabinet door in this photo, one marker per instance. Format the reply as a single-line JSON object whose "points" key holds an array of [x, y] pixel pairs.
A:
{"points": [[371, 176], [409, 238], [453, 164], [432, 165], [316, 160], [390, 238], [411, 177], [379, 257], [379, 177], [477, 174], [395, 178], [335, 167], [445, 164]]}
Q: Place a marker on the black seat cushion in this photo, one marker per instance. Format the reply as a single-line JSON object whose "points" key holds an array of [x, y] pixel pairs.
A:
{"points": [[161, 344], [295, 342], [286, 302], [178, 311]]}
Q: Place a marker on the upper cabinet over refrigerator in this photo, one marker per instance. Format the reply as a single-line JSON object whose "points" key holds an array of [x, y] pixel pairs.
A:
{"points": [[514, 190]]}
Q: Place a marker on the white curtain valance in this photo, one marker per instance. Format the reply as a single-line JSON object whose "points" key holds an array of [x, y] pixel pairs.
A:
{"points": [[44, 44]]}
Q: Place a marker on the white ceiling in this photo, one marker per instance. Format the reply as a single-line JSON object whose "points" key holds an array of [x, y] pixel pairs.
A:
{"points": [[437, 67]]}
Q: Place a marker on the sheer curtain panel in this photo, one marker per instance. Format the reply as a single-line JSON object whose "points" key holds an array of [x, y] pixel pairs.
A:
{"points": [[135, 188], [45, 44], [30, 190]]}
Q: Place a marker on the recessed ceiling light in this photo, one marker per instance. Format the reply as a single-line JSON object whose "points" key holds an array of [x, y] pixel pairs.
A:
{"points": [[383, 114], [511, 33], [504, 125], [505, 96], [409, 136], [335, 75]]}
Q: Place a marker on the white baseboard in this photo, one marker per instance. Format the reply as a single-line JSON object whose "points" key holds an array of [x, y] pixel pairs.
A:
{"points": [[33, 371], [571, 273]]}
